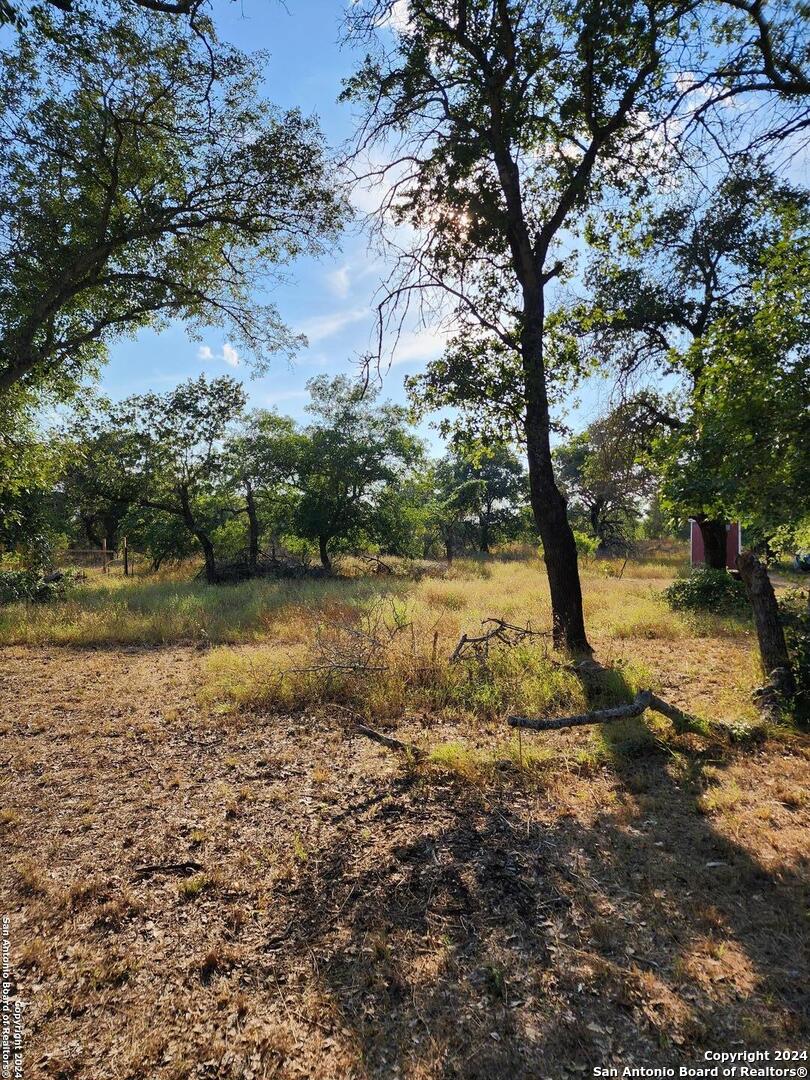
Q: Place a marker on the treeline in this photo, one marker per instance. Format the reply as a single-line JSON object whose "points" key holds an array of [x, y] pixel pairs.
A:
{"points": [[192, 472], [575, 199]]}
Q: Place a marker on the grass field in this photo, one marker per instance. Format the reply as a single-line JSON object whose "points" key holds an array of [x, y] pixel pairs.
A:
{"points": [[211, 875], [299, 644]]}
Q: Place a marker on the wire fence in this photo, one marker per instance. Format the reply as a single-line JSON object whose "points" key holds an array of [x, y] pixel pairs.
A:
{"points": [[100, 559]]}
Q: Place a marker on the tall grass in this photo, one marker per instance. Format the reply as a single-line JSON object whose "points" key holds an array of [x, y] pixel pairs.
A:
{"points": [[410, 681], [448, 600], [392, 636]]}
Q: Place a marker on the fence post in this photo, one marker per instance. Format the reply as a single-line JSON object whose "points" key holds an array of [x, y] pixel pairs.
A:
{"points": [[126, 558], [104, 555]]}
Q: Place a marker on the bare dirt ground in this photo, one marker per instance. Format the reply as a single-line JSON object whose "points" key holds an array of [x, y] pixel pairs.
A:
{"points": [[210, 896]]}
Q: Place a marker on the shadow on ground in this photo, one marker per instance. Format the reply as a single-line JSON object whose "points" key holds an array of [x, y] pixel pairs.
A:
{"points": [[490, 935]]}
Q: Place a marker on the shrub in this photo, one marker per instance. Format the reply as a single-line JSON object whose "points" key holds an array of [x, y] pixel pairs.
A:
{"points": [[707, 590], [794, 609], [586, 545], [31, 586]]}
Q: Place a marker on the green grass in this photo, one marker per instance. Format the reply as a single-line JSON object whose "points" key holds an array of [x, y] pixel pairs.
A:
{"points": [[518, 680]]}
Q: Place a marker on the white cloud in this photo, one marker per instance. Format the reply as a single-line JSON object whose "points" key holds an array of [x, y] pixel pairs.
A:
{"points": [[419, 345], [399, 17], [325, 326], [339, 282], [229, 355]]}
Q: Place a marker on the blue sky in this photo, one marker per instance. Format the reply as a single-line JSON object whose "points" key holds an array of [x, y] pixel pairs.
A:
{"points": [[328, 299]]}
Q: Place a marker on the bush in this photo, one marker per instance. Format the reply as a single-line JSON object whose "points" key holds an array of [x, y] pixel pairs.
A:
{"points": [[794, 609], [707, 590], [31, 586], [586, 545]]}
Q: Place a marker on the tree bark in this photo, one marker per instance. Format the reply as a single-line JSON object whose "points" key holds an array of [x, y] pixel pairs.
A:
{"points": [[643, 700], [210, 561], [770, 634], [323, 548], [483, 536], [253, 531], [548, 504], [202, 538], [714, 541], [547, 501]]}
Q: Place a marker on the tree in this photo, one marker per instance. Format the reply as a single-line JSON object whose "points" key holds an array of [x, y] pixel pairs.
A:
{"points": [[403, 514], [750, 50], [663, 288], [167, 455], [500, 483], [455, 505], [143, 179], [502, 122], [161, 536], [602, 473], [742, 449], [85, 484], [32, 518], [353, 450], [19, 12], [261, 460]]}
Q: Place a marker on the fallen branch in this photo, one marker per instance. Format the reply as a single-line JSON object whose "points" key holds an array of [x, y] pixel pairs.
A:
{"points": [[319, 669], [185, 869], [380, 567], [502, 631], [644, 699], [377, 736], [386, 740]]}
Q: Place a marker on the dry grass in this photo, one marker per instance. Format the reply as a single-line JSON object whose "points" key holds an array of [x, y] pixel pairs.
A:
{"points": [[111, 609], [283, 636], [523, 909], [326, 653]]}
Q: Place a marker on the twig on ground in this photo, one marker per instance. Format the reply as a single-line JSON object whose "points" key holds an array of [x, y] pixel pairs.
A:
{"points": [[377, 736]]}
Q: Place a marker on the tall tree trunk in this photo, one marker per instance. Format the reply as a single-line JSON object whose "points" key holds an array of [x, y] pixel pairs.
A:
{"points": [[448, 548], [593, 514], [253, 531], [770, 634], [714, 536], [203, 539], [483, 536], [323, 548], [548, 504], [529, 254]]}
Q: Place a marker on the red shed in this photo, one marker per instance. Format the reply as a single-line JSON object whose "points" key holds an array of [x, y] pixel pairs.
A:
{"points": [[697, 555]]}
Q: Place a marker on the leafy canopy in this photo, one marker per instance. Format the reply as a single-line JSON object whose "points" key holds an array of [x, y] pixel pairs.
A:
{"points": [[143, 179]]}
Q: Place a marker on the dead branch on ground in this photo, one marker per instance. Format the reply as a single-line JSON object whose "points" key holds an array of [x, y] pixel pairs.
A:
{"points": [[184, 869], [502, 632], [644, 699], [380, 567], [377, 736]]}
